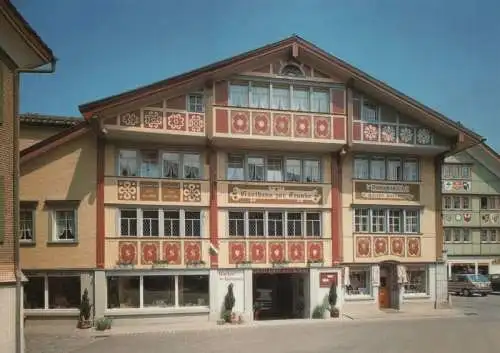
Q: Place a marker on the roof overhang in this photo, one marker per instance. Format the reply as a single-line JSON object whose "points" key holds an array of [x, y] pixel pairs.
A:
{"points": [[19, 42]]}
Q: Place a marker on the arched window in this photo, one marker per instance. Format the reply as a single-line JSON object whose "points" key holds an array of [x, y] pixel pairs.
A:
{"points": [[292, 70]]}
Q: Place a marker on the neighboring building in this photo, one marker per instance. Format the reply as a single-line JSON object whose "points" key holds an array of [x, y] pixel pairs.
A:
{"points": [[36, 127], [471, 210], [280, 171], [20, 49]]}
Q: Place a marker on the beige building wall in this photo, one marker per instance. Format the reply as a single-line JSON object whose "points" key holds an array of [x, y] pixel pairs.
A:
{"points": [[64, 173], [29, 135], [426, 204]]}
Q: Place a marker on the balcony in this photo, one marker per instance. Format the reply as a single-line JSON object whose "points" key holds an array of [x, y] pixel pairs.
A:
{"points": [[241, 126], [384, 247], [386, 192], [260, 252], [402, 136], [154, 124], [153, 252], [146, 191]]}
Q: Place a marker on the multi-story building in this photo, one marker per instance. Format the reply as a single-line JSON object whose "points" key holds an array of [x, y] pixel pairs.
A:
{"points": [[471, 210], [21, 50], [281, 171]]}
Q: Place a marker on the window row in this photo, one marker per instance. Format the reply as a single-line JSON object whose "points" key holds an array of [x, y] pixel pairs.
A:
{"points": [[153, 222], [52, 292], [273, 168], [274, 223], [386, 168], [457, 235], [457, 171], [360, 281], [159, 164], [63, 225], [490, 236], [382, 220], [456, 202], [266, 95], [158, 291], [490, 203]]}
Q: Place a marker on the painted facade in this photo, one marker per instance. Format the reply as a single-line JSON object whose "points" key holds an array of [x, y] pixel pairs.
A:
{"points": [[270, 173], [471, 211]]}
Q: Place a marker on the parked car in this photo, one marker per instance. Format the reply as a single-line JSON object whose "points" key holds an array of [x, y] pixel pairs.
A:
{"points": [[468, 284], [495, 282]]}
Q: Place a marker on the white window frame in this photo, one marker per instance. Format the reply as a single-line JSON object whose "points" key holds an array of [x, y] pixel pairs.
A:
{"points": [[359, 296], [311, 88], [196, 96], [456, 171], [284, 158], [171, 273], [54, 237], [427, 284], [464, 202], [45, 277], [32, 228], [161, 225], [488, 232], [284, 222], [357, 215], [403, 176], [159, 154], [451, 232]]}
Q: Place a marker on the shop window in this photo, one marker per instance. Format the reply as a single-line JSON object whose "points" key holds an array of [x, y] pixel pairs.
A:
{"points": [[64, 292], [123, 292], [34, 293], [359, 281], [417, 280], [159, 291], [193, 291]]}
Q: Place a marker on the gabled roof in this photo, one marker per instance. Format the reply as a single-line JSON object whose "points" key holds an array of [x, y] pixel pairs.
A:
{"points": [[33, 119], [293, 43]]}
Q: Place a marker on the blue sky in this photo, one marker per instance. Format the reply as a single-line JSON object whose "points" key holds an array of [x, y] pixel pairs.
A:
{"points": [[443, 53]]}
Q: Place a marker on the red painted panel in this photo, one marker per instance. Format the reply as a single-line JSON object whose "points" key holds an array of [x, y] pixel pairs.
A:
{"points": [[296, 251], [282, 125], [172, 252], [261, 123], [176, 121], [339, 129], [192, 251], [258, 252], [127, 252], [356, 131], [221, 93], [338, 101], [150, 252], [302, 125], [322, 127], [276, 252], [221, 121], [237, 252], [240, 122]]}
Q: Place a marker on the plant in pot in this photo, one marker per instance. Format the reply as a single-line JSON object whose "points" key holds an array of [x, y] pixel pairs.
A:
{"points": [[85, 310], [229, 301], [332, 300]]}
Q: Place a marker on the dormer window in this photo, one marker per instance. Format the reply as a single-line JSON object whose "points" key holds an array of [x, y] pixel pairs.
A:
{"points": [[292, 70]]}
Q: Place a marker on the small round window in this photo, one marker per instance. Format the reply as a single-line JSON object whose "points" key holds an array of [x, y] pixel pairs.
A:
{"points": [[292, 70]]}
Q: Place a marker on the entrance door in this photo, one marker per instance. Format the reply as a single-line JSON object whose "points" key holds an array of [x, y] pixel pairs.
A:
{"points": [[389, 288]]}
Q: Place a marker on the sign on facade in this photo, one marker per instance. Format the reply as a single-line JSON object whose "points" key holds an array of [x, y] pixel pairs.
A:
{"points": [[275, 194], [326, 279], [382, 191]]}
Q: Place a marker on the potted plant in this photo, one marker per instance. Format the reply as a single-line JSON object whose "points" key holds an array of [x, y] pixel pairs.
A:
{"points": [[85, 310], [332, 300], [319, 312], [257, 307], [103, 323], [229, 301]]}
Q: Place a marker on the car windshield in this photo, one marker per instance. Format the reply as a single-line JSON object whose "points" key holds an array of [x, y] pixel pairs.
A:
{"points": [[478, 278]]}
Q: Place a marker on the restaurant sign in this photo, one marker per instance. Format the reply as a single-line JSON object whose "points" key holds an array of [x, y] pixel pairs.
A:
{"points": [[274, 194], [383, 191]]}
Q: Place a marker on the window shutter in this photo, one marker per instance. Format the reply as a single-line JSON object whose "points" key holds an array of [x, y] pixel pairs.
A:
{"points": [[2, 210]]}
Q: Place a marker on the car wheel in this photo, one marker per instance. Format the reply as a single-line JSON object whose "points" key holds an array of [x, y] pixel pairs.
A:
{"points": [[483, 294], [467, 293]]}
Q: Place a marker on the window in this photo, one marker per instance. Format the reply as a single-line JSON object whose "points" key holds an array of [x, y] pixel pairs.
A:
{"points": [[195, 103], [381, 220], [490, 203], [64, 228], [490, 236], [52, 291], [172, 165], [457, 171], [160, 222], [274, 223], [382, 168], [369, 111], [262, 95], [457, 235], [158, 291], [359, 281], [273, 168], [26, 226], [417, 280], [456, 202]]}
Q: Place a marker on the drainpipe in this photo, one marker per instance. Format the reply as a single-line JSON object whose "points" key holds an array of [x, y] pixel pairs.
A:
{"points": [[15, 177]]}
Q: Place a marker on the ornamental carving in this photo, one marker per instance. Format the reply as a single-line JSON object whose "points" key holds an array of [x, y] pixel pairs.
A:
{"points": [[261, 124], [282, 125], [172, 252], [131, 119], [258, 252], [322, 128], [424, 136], [406, 134], [153, 119], [127, 190], [296, 251], [302, 126], [380, 246], [239, 123], [196, 123], [397, 246], [237, 253], [176, 121], [127, 252], [315, 251], [276, 252], [370, 132], [191, 192], [363, 247], [413, 247], [192, 251], [388, 134], [149, 253]]}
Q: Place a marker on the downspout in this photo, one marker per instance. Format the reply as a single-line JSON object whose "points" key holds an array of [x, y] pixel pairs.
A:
{"points": [[16, 175]]}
